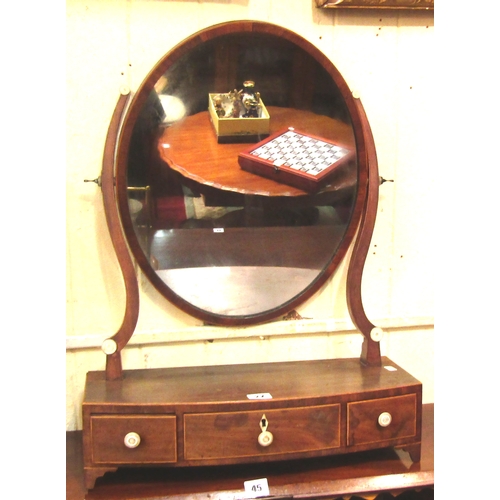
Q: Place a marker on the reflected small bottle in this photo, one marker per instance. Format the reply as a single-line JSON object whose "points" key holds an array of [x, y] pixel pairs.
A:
{"points": [[248, 90], [250, 99]]}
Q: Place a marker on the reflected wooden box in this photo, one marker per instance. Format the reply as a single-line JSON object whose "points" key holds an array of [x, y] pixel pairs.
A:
{"points": [[296, 158], [231, 130]]}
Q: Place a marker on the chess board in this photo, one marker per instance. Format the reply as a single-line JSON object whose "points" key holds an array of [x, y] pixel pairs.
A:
{"points": [[295, 158]]}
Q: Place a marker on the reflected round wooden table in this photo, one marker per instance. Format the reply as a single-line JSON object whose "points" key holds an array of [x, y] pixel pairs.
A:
{"points": [[229, 264], [190, 148]]}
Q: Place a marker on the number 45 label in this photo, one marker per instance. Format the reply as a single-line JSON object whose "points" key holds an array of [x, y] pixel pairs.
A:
{"points": [[256, 488]]}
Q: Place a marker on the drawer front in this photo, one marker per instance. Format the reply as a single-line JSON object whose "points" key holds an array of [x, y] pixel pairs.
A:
{"points": [[150, 439], [382, 419], [236, 434]]}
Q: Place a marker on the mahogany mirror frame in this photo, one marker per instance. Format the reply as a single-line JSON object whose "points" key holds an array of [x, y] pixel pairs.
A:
{"points": [[114, 187]]}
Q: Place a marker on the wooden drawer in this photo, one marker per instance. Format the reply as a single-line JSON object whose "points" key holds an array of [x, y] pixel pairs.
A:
{"points": [[385, 419], [235, 434], [157, 443]]}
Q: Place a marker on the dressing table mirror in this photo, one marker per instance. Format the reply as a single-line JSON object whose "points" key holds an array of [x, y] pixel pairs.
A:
{"points": [[234, 248]]}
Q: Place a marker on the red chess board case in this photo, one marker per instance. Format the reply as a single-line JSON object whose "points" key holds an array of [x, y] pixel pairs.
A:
{"points": [[295, 158]]}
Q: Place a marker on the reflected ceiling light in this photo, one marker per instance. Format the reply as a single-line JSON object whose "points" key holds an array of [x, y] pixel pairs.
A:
{"points": [[174, 108]]}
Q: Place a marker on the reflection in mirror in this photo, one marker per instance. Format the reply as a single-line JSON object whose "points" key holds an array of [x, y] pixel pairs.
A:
{"points": [[226, 241]]}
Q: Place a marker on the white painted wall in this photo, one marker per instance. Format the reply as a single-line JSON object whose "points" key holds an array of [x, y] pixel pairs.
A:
{"points": [[387, 58]]}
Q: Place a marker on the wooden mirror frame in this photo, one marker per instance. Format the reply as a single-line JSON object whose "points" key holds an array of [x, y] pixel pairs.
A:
{"points": [[114, 186]]}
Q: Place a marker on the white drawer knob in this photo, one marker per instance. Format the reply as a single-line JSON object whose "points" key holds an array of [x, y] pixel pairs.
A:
{"points": [[265, 438], [132, 440], [384, 419]]}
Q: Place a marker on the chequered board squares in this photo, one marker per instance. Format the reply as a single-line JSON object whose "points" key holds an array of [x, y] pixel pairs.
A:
{"points": [[300, 152], [297, 158]]}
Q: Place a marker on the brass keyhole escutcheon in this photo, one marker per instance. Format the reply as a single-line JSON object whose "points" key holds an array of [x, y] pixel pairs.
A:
{"points": [[265, 437]]}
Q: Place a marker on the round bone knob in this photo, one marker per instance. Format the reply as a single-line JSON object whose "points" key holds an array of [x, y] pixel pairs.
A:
{"points": [[376, 334], [132, 440], [265, 438], [109, 346], [384, 419]]}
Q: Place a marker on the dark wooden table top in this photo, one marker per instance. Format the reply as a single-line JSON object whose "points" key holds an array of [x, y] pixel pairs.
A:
{"points": [[364, 474]]}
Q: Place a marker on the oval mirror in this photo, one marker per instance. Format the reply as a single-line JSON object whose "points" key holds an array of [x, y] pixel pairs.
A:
{"points": [[227, 244]]}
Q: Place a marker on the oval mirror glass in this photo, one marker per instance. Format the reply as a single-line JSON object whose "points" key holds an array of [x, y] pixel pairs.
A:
{"points": [[223, 240]]}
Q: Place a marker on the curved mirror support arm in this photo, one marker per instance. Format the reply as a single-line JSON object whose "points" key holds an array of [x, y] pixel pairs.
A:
{"points": [[113, 346], [370, 354]]}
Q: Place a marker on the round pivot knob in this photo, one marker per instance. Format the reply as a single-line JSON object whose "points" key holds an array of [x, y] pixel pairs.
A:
{"points": [[376, 334], [384, 419], [132, 440], [109, 347]]}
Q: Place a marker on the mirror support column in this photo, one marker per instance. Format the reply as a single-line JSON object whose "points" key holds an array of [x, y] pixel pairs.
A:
{"points": [[370, 354], [113, 346]]}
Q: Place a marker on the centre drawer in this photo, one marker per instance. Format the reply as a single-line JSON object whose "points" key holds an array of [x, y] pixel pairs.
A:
{"points": [[133, 439], [236, 434]]}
